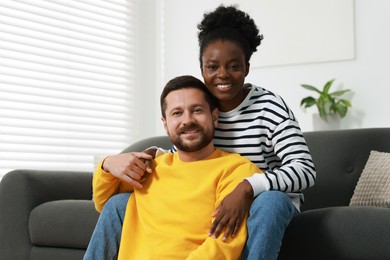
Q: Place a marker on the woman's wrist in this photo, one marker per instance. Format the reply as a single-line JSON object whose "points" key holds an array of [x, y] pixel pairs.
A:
{"points": [[246, 189]]}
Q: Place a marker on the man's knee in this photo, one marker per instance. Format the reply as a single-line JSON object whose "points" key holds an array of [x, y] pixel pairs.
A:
{"points": [[117, 202]]}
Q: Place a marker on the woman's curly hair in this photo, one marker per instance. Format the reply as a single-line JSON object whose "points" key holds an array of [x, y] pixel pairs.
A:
{"points": [[229, 23]]}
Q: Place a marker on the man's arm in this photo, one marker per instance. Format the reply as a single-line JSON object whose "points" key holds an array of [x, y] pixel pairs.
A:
{"points": [[121, 173], [220, 248], [105, 185], [129, 167], [231, 212]]}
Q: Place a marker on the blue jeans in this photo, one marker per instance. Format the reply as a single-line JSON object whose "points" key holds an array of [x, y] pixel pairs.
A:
{"points": [[268, 218], [105, 240]]}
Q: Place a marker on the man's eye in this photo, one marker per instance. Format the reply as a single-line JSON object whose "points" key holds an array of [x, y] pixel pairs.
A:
{"points": [[177, 113]]}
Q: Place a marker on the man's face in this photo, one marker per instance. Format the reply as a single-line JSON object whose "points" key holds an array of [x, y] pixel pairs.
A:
{"points": [[189, 122]]}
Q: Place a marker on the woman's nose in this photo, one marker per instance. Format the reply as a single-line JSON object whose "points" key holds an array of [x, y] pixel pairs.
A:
{"points": [[222, 72]]}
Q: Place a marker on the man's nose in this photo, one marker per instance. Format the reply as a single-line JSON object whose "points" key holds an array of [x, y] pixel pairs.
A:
{"points": [[188, 118]]}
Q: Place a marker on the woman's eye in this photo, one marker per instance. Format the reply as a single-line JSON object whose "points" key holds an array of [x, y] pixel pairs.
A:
{"points": [[234, 66], [211, 67]]}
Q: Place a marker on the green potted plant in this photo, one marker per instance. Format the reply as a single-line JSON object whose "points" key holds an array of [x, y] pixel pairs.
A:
{"points": [[328, 103]]}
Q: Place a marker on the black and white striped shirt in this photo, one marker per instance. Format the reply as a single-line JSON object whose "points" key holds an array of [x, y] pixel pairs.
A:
{"points": [[264, 129]]}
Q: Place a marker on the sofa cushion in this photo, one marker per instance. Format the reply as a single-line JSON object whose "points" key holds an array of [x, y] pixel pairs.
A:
{"points": [[338, 233], [63, 223], [373, 187]]}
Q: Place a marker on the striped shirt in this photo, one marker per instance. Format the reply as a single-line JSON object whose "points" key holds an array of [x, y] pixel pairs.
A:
{"points": [[264, 129]]}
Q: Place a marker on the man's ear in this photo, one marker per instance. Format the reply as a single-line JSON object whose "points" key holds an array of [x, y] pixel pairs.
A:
{"points": [[215, 114], [164, 124]]}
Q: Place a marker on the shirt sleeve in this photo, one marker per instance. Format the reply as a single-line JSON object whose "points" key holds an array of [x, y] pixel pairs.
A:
{"points": [[297, 171], [217, 249], [231, 249], [159, 151], [259, 183], [105, 185]]}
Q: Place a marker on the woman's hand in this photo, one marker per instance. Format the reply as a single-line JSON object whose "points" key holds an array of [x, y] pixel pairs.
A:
{"points": [[232, 211]]}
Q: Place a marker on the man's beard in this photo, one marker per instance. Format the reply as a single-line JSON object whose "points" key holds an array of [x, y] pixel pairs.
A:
{"points": [[205, 137]]}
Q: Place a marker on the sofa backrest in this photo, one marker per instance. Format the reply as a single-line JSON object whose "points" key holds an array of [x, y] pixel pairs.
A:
{"points": [[339, 157], [159, 141]]}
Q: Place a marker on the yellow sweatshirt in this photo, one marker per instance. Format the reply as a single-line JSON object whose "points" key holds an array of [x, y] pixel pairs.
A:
{"points": [[169, 218]]}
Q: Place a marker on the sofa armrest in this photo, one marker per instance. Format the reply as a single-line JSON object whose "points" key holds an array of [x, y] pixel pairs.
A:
{"points": [[23, 190]]}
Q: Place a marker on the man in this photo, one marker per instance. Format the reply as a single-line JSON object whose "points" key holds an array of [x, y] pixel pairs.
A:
{"points": [[169, 215]]}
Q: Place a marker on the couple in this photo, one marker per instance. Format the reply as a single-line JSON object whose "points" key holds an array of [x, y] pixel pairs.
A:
{"points": [[253, 122]]}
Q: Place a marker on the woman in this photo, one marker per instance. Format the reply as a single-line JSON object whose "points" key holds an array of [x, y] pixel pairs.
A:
{"points": [[253, 122]]}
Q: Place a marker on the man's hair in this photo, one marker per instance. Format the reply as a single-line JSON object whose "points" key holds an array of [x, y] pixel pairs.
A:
{"points": [[229, 23], [183, 82]]}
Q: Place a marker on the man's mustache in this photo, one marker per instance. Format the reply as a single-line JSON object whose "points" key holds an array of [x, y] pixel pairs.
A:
{"points": [[191, 127]]}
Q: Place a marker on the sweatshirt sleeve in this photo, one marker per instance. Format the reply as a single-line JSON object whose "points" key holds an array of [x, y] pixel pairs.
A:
{"points": [[217, 249], [105, 185], [232, 248], [297, 171]]}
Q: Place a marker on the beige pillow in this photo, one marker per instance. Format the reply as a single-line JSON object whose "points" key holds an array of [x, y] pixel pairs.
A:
{"points": [[373, 187]]}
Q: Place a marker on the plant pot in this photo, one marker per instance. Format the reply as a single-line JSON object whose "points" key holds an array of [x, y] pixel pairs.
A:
{"points": [[332, 122]]}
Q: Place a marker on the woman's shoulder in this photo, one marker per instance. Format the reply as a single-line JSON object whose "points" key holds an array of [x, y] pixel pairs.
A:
{"points": [[266, 99], [259, 93]]}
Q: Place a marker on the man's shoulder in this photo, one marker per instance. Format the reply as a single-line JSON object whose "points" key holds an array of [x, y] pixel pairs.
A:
{"points": [[239, 164], [232, 156], [164, 157]]}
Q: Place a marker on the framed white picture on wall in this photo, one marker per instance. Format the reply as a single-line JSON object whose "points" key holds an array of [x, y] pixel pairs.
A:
{"points": [[302, 31]]}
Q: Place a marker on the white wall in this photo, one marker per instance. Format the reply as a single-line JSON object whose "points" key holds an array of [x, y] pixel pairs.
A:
{"points": [[367, 75]]}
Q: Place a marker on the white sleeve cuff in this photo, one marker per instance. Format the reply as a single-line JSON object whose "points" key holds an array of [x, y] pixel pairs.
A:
{"points": [[259, 183], [159, 151]]}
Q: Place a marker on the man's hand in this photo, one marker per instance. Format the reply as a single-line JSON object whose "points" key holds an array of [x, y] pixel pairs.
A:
{"points": [[232, 211], [130, 167]]}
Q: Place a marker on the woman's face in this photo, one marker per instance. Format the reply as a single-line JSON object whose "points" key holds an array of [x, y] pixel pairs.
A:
{"points": [[224, 70]]}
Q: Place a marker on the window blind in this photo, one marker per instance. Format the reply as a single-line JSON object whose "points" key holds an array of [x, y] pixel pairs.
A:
{"points": [[66, 77]]}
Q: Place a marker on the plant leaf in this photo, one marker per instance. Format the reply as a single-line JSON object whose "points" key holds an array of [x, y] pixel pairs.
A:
{"points": [[327, 86], [308, 102], [312, 88], [327, 103], [339, 93], [321, 108], [341, 110], [345, 102]]}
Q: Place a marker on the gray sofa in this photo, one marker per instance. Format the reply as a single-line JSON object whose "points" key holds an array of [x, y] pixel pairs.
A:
{"points": [[50, 215]]}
